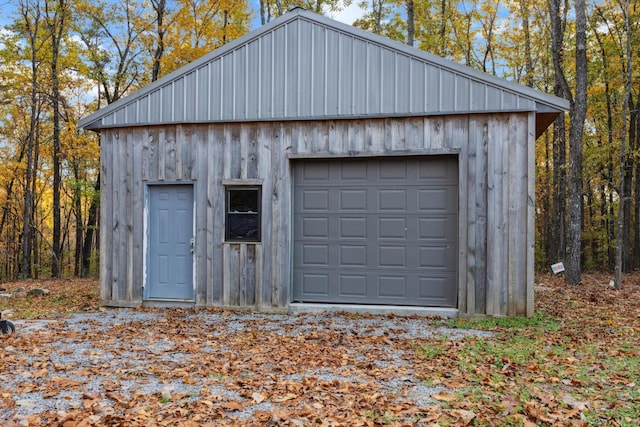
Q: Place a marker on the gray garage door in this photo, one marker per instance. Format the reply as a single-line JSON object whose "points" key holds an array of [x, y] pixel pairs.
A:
{"points": [[376, 231]]}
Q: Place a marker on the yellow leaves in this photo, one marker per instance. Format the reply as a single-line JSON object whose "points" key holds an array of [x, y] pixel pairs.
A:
{"points": [[200, 26]]}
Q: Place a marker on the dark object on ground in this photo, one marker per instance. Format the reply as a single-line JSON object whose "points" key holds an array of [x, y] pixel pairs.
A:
{"points": [[6, 327], [37, 292]]}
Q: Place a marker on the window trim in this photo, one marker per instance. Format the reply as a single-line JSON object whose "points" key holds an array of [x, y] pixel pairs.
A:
{"points": [[238, 185]]}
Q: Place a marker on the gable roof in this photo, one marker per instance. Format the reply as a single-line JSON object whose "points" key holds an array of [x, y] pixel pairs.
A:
{"points": [[304, 66]]}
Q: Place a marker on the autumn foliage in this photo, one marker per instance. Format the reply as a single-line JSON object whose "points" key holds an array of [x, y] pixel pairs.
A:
{"points": [[62, 60]]}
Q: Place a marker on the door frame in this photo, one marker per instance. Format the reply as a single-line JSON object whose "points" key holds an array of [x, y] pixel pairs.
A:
{"points": [[145, 239]]}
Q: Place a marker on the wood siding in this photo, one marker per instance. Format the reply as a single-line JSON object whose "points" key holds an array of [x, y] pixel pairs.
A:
{"points": [[495, 266]]}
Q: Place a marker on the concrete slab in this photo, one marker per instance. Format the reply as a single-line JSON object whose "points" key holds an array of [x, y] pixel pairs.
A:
{"points": [[296, 308]]}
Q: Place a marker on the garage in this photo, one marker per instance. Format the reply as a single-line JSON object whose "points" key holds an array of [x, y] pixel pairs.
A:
{"points": [[327, 168], [379, 230]]}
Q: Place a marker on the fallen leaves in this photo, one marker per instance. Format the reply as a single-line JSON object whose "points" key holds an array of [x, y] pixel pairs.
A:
{"points": [[575, 364], [444, 396], [58, 297], [463, 416]]}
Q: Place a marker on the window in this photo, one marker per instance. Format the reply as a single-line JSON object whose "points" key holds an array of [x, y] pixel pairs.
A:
{"points": [[243, 214]]}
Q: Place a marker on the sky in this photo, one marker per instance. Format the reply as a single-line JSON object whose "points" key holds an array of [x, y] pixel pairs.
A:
{"points": [[347, 15], [350, 14]]}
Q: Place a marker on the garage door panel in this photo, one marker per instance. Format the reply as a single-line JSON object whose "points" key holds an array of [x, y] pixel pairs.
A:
{"points": [[376, 231], [353, 285], [434, 200], [392, 228], [432, 257], [315, 228], [353, 255], [446, 170], [392, 287], [440, 257], [353, 228], [437, 228], [316, 172], [353, 172], [353, 200], [432, 287], [315, 200], [392, 199], [315, 284], [392, 256], [315, 255], [389, 170]]}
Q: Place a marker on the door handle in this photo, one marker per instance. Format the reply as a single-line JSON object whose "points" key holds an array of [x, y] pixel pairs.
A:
{"points": [[192, 244]]}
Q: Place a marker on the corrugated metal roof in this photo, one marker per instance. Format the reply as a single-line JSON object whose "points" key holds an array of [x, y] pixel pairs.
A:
{"points": [[304, 66]]}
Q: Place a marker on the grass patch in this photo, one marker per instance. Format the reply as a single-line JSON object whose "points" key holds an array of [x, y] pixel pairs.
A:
{"points": [[66, 296], [542, 370], [538, 321]]}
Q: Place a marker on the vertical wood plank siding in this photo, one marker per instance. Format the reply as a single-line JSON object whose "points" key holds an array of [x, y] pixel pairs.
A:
{"points": [[495, 232]]}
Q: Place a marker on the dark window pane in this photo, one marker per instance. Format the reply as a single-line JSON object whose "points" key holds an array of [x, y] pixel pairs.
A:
{"points": [[243, 226], [243, 214], [243, 200]]}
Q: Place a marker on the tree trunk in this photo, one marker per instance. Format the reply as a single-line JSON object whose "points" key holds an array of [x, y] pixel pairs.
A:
{"points": [[77, 207], [411, 22], [528, 64], [92, 224], [623, 149], [547, 219], [35, 249], [159, 6], [629, 164], [577, 116], [55, 18], [9, 192], [31, 28], [558, 240], [443, 29], [558, 209], [636, 205]]}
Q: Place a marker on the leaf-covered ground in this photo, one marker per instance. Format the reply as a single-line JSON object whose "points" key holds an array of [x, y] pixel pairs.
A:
{"points": [[577, 362]]}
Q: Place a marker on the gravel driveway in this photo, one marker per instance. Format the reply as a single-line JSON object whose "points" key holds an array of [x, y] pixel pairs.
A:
{"points": [[220, 367]]}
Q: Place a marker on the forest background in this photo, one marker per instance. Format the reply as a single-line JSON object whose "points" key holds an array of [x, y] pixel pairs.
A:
{"points": [[61, 60]]}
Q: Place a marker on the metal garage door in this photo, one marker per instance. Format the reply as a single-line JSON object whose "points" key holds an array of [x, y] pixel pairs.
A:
{"points": [[376, 231]]}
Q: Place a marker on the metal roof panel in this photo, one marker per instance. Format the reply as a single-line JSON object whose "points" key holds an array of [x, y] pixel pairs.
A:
{"points": [[304, 66]]}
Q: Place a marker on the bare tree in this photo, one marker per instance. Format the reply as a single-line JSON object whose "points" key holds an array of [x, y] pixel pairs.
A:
{"points": [[56, 13], [29, 25], [577, 115], [160, 10], [624, 6], [411, 22]]}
